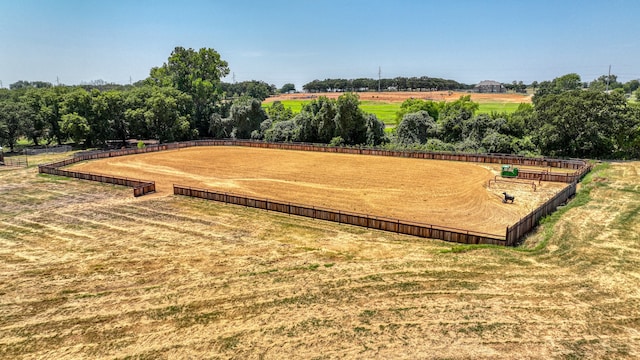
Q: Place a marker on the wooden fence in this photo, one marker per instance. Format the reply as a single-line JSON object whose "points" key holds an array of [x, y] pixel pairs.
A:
{"points": [[513, 233], [527, 223], [579, 167], [140, 187], [342, 217], [14, 161]]}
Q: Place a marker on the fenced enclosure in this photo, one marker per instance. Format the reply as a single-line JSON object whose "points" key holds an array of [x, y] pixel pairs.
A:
{"points": [[527, 223], [512, 236], [48, 150], [14, 161], [343, 217], [140, 187]]}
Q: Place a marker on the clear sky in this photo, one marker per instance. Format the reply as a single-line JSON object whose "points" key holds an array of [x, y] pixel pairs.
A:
{"points": [[287, 41]]}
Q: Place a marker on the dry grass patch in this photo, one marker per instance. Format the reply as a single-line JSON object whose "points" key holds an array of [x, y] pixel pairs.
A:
{"points": [[87, 271]]}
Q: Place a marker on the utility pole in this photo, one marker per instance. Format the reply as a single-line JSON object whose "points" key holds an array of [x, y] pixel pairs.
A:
{"points": [[608, 79], [379, 77]]}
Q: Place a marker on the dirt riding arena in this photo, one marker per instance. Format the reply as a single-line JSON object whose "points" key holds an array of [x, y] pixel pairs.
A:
{"points": [[400, 96], [454, 194]]}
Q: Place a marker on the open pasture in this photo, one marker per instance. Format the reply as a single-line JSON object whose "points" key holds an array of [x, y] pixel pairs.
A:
{"points": [[88, 271], [445, 193], [385, 105]]}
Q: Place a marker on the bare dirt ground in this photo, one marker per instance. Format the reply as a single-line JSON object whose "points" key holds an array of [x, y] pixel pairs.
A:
{"points": [[400, 96], [88, 271], [445, 193]]}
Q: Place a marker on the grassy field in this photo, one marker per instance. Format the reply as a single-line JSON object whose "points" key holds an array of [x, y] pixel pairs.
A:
{"points": [[88, 271], [386, 111]]}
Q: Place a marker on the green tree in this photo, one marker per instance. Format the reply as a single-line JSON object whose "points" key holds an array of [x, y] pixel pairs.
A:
{"points": [[33, 122], [582, 123], [282, 131], [416, 128], [109, 111], [11, 124], [316, 120], [75, 126], [198, 74], [51, 112], [288, 87], [414, 105], [167, 113], [453, 116], [559, 85], [350, 120], [375, 131], [278, 112], [246, 115]]}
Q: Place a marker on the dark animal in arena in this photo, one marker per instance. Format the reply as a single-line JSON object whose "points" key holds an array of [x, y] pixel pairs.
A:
{"points": [[508, 197]]}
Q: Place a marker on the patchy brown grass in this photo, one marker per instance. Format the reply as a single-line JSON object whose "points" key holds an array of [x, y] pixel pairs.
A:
{"points": [[88, 271]]}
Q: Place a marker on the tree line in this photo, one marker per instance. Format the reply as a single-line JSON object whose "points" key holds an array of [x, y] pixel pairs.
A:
{"points": [[185, 99], [422, 83]]}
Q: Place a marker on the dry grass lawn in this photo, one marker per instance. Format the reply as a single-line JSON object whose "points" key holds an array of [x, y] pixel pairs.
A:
{"points": [[88, 271]]}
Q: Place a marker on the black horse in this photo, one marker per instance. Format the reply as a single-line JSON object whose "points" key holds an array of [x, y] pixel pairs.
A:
{"points": [[508, 197]]}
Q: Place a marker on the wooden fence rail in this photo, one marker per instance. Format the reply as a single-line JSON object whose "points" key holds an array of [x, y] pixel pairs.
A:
{"points": [[343, 217], [569, 177], [140, 187], [513, 233], [527, 223]]}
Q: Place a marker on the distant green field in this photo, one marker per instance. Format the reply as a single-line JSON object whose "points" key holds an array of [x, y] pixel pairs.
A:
{"points": [[386, 111]]}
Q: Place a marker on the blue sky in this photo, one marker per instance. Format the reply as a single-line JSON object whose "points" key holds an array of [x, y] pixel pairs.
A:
{"points": [[281, 41]]}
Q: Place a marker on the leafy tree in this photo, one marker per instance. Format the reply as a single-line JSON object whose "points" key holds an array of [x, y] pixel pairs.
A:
{"points": [[350, 120], [167, 114], [520, 121], [495, 142], [453, 116], [631, 86], [559, 85], [34, 122], [534, 85], [480, 125], [246, 115], [416, 128], [307, 126], [134, 102], [198, 74], [277, 112], [581, 123], [375, 131], [75, 126], [282, 131], [316, 120], [51, 112], [11, 122], [414, 105], [109, 110], [288, 87]]}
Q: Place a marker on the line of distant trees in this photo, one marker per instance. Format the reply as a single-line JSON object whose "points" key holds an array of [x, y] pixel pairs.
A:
{"points": [[422, 83], [185, 99]]}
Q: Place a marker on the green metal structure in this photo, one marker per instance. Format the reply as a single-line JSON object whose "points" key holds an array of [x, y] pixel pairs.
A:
{"points": [[508, 172]]}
